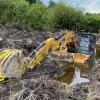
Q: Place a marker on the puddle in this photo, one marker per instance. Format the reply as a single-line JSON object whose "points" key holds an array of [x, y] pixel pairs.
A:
{"points": [[77, 74], [77, 78], [74, 75]]}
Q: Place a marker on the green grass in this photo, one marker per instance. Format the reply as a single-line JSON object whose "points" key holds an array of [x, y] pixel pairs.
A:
{"points": [[98, 52]]}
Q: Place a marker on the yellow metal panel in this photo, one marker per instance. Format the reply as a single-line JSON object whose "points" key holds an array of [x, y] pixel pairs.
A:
{"points": [[41, 53], [11, 63], [81, 58], [2, 77]]}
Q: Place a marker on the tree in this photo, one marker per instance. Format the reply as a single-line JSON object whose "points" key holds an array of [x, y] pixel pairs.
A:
{"points": [[39, 1], [51, 3], [13, 11], [34, 1], [34, 16]]}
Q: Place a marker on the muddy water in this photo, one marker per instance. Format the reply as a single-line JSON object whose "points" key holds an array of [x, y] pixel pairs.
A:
{"points": [[74, 73]]}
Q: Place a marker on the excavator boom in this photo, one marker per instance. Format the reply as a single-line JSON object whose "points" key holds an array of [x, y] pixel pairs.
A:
{"points": [[40, 53]]}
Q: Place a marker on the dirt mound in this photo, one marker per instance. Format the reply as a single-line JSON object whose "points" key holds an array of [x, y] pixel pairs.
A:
{"points": [[47, 68], [11, 37], [34, 89], [43, 88]]}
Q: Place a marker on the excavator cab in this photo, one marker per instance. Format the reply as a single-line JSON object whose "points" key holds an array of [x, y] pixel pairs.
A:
{"points": [[86, 49], [87, 44]]}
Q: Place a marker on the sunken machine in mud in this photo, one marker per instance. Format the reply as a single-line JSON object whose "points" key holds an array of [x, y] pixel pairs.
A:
{"points": [[80, 51], [61, 48]]}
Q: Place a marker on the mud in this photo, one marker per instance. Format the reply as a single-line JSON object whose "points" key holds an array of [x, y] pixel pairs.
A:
{"points": [[32, 89], [11, 37], [42, 84]]}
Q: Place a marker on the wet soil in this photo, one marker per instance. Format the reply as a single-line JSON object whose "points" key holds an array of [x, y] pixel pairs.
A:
{"points": [[41, 83], [11, 37]]}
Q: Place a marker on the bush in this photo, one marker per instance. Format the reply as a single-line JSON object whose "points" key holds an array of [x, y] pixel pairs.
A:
{"points": [[4, 8], [34, 16], [13, 11], [60, 16], [39, 17], [55, 17], [49, 19]]}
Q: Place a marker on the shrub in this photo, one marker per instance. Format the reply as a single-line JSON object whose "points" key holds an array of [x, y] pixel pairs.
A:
{"points": [[55, 17], [60, 16], [13, 11], [40, 17], [34, 16]]}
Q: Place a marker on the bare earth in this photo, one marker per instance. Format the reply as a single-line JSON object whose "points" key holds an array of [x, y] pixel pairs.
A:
{"points": [[42, 85]]}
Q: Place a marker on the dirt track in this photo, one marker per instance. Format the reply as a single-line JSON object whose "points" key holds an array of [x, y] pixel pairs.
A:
{"points": [[45, 88]]}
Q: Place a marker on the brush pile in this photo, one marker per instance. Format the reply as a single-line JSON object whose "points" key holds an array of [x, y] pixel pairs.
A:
{"points": [[33, 89]]}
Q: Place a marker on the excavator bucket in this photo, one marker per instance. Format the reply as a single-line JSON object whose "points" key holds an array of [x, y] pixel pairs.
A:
{"points": [[11, 63]]}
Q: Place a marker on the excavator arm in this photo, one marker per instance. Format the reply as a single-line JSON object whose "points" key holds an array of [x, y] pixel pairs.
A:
{"points": [[63, 40], [40, 53], [64, 45]]}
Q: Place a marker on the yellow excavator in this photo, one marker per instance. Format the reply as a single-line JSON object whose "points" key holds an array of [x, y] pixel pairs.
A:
{"points": [[14, 64]]}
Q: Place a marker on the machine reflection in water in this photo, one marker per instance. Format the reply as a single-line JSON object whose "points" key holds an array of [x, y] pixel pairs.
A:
{"points": [[74, 75]]}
